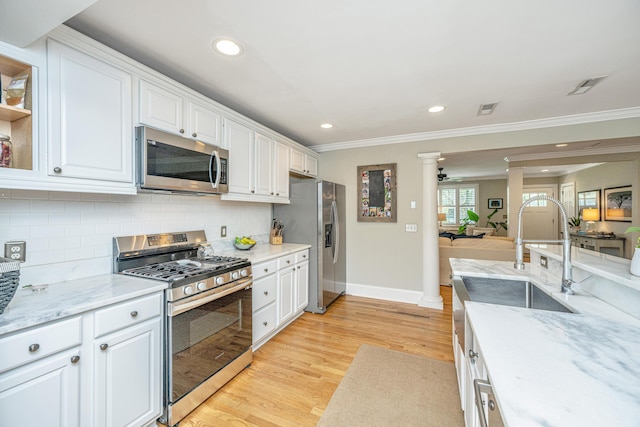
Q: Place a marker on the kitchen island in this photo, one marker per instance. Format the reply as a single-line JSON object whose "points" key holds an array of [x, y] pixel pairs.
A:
{"points": [[560, 369]]}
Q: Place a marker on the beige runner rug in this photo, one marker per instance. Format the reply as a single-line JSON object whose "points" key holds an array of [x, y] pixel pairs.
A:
{"points": [[385, 388]]}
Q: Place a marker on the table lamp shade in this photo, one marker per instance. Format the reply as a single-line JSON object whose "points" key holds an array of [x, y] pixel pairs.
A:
{"points": [[590, 214], [442, 217]]}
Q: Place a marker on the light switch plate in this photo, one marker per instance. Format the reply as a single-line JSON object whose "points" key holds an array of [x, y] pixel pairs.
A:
{"points": [[411, 228]]}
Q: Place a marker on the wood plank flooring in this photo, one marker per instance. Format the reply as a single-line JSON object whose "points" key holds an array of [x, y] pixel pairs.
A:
{"points": [[294, 375]]}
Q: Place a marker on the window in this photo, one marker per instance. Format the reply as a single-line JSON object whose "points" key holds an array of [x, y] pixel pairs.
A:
{"points": [[455, 200], [538, 203]]}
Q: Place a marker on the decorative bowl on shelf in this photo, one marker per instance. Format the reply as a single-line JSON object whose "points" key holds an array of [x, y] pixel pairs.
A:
{"points": [[244, 247]]}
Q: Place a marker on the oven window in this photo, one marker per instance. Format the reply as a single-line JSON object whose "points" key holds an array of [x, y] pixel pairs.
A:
{"points": [[205, 339], [175, 162]]}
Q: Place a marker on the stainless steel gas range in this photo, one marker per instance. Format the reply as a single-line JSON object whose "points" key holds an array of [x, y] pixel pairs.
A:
{"points": [[208, 313]]}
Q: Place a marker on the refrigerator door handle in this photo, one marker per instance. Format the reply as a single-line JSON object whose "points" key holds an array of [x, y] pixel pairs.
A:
{"points": [[336, 227]]}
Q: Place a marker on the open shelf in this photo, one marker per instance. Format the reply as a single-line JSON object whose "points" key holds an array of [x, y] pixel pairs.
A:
{"points": [[11, 114]]}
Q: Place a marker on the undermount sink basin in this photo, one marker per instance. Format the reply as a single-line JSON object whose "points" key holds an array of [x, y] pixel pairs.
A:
{"points": [[514, 293]]}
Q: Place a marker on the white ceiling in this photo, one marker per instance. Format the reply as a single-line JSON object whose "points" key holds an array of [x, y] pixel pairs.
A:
{"points": [[373, 67]]}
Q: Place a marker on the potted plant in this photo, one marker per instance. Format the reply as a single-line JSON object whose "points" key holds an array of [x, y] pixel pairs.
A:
{"points": [[574, 223], [498, 225], [635, 260], [473, 218]]}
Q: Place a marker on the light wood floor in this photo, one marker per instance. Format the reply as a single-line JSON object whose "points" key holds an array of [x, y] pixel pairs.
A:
{"points": [[294, 375]]}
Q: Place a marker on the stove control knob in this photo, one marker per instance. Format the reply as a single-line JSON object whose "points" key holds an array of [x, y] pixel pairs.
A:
{"points": [[234, 275], [201, 286], [219, 280], [187, 290], [243, 273]]}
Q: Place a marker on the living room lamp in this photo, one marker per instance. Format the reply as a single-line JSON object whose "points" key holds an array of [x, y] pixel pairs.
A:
{"points": [[441, 217], [590, 215]]}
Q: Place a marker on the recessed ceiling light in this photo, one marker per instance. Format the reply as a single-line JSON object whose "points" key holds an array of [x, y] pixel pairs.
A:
{"points": [[437, 108], [326, 126], [441, 159], [561, 145], [227, 47]]}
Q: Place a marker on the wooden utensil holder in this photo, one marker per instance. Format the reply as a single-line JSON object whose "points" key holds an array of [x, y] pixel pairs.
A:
{"points": [[273, 239]]}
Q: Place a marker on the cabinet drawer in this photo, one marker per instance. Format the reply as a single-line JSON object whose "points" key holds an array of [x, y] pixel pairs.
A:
{"points": [[301, 256], [264, 292], [264, 322], [286, 261], [127, 313], [37, 343], [264, 269]]}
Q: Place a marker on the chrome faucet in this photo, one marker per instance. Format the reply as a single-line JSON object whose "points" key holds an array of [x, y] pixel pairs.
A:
{"points": [[567, 274]]}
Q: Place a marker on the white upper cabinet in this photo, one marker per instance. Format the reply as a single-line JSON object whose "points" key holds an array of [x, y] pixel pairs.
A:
{"points": [[263, 165], [171, 111], [239, 140], [281, 152], [303, 163], [91, 132]]}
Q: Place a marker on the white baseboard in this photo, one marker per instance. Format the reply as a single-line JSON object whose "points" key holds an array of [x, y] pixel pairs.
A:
{"points": [[388, 294]]}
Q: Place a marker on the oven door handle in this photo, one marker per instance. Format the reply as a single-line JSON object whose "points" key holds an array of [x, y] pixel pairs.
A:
{"points": [[201, 299]]}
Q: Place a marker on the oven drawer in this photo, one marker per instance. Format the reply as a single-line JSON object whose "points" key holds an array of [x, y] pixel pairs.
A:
{"points": [[286, 261], [264, 322], [264, 292], [37, 343], [302, 256], [127, 313], [264, 269]]}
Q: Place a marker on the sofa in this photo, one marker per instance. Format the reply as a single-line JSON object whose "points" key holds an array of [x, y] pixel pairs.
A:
{"points": [[475, 247]]}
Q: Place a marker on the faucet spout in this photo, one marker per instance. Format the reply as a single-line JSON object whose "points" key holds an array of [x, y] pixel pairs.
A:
{"points": [[567, 273]]}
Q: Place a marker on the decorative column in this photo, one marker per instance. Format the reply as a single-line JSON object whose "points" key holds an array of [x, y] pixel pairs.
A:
{"points": [[515, 185], [430, 251]]}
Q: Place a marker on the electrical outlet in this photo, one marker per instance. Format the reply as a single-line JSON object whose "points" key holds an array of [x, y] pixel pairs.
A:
{"points": [[223, 231], [16, 251], [543, 261]]}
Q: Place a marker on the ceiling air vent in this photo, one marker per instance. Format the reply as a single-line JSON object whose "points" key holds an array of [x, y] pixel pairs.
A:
{"points": [[486, 109], [585, 85]]}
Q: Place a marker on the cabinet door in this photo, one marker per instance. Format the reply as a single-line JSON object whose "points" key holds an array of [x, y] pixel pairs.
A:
{"points": [[302, 285], [42, 393], [204, 124], [286, 281], [161, 108], [239, 142], [312, 165], [128, 376], [263, 165], [90, 111], [281, 170], [296, 163]]}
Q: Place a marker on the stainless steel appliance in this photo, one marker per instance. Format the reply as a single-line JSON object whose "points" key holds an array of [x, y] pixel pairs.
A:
{"points": [[173, 163], [208, 329], [316, 215]]}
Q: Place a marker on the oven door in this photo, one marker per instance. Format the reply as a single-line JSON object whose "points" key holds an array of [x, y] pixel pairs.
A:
{"points": [[205, 334]]}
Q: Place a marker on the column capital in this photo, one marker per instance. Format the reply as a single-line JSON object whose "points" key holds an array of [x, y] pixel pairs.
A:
{"points": [[427, 157]]}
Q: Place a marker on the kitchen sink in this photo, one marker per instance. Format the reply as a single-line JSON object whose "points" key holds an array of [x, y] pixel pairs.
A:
{"points": [[516, 293]]}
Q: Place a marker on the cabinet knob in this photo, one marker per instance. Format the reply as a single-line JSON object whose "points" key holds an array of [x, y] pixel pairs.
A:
{"points": [[103, 347], [33, 348], [181, 131], [75, 359], [304, 256], [277, 194], [298, 267], [266, 292], [252, 191], [265, 323], [288, 262], [57, 169], [134, 313], [194, 134], [272, 193], [266, 270], [472, 356]]}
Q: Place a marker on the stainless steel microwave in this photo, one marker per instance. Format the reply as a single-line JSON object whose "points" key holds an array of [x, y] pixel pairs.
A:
{"points": [[173, 163]]}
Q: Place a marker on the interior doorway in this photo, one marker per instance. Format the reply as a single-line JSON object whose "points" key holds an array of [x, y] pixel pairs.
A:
{"points": [[540, 218]]}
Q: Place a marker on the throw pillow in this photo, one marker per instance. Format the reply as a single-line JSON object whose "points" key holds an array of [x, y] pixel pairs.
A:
{"points": [[446, 234], [466, 236]]}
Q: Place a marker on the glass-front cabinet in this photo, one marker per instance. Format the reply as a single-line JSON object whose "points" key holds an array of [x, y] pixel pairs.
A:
{"points": [[16, 121]]}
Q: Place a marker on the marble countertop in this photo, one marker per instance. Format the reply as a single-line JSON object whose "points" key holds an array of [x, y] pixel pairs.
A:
{"points": [[559, 369], [63, 299]]}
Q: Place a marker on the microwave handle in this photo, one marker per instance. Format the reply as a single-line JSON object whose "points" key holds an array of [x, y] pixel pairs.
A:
{"points": [[214, 183]]}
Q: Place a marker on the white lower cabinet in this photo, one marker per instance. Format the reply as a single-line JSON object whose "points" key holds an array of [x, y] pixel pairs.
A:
{"points": [[101, 368], [280, 294]]}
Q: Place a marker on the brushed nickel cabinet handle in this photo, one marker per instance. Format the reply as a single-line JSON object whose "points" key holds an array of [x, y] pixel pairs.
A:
{"points": [[75, 359], [265, 323], [181, 131], [266, 292], [194, 134], [134, 313], [33, 348], [103, 347], [57, 169]]}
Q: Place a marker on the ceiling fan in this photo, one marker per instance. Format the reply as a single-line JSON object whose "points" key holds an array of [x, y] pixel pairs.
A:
{"points": [[441, 176]]}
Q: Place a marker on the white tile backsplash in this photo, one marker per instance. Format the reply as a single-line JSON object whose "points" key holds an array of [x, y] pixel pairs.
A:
{"points": [[70, 235]]}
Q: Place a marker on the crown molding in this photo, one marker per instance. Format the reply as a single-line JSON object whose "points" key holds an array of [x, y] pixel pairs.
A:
{"points": [[575, 153], [601, 116]]}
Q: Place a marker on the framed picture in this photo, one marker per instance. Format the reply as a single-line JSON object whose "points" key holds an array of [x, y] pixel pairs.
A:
{"points": [[495, 203], [588, 199], [618, 204], [377, 193]]}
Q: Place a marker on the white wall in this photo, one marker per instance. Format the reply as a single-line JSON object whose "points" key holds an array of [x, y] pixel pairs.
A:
{"points": [[70, 235]]}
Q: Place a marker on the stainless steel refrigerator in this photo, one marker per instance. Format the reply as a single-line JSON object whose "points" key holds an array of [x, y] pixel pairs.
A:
{"points": [[316, 216]]}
